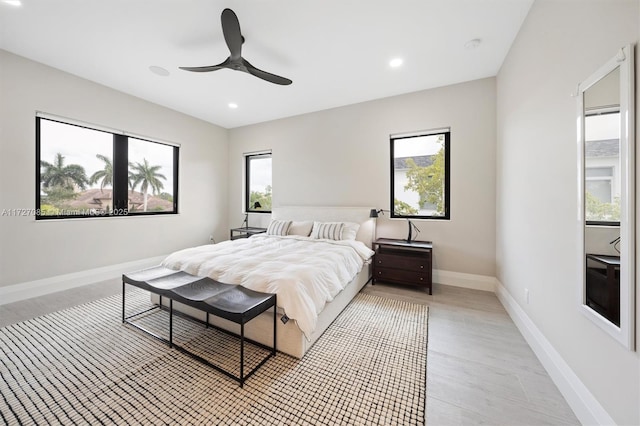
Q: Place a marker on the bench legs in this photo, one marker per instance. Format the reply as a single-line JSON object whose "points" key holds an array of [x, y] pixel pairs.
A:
{"points": [[242, 355], [170, 322], [242, 378], [123, 302], [126, 319]]}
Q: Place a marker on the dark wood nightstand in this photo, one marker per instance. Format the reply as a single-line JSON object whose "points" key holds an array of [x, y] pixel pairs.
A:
{"points": [[603, 285], [400, 262], [235, 233]]}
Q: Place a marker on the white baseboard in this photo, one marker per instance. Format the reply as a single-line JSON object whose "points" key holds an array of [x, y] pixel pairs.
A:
{"points": [[27, 290], [460, 279], [580, 399]]}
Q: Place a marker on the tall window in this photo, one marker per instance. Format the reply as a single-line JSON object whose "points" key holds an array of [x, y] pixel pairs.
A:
{"points": [[88, 172], [420, 175], [258, 183]]}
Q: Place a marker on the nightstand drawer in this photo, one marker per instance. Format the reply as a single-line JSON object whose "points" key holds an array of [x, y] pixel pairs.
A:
{"points": [[400, 275], [407, 262]]}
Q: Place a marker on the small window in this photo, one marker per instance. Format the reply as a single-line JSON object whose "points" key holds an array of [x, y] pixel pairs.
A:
{"points": [[599, 183], [88, 172], [258, 183], [420, 175]]}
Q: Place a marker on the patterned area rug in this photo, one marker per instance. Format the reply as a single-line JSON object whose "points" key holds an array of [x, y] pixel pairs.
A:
{"points": [[83, 366]]}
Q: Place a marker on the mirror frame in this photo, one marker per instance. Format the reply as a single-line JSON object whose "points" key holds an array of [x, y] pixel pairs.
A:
{"points": [[625, 334]]}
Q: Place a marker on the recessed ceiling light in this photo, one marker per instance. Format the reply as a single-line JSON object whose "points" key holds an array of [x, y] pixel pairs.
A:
{"points": [[233, 105], [472, 44], [158, 71], [15, 3], [395, 62]]}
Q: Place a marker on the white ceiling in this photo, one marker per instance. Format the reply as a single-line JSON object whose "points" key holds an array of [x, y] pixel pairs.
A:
{"points": [[337, 52]]}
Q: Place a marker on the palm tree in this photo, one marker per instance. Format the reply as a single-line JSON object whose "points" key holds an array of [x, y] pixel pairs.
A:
{"points": [[59, 175], [105, 176], [146, 176]]}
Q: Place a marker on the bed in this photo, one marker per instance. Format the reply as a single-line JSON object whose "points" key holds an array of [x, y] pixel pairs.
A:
{"points": [[312, 287]]}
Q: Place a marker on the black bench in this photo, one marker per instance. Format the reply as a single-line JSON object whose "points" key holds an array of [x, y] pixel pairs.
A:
{"points": [[231, 302]]}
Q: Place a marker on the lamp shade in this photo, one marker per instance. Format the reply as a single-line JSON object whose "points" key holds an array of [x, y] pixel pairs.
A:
{"points": [[373, 213]]}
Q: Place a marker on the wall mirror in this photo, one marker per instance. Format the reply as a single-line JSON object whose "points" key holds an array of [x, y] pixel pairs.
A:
{"points": [[606, 197]]}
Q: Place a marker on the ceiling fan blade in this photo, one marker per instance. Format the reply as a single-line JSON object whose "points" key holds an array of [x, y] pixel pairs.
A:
{"points": [[232, 34], [202, 69], [209, 68], [272, 78]]}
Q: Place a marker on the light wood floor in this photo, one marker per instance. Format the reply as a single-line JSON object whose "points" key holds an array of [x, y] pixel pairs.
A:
{"points": [[480, 370]]}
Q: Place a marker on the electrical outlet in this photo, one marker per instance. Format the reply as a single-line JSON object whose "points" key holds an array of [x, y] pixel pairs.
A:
{"points": [[526, 295]]}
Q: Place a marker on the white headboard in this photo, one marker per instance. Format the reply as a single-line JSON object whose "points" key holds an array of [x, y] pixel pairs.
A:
{"points": [[331, 214]]}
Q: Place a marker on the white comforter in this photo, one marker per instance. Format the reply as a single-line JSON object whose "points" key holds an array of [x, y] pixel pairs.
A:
{"points": [[305, 273]]}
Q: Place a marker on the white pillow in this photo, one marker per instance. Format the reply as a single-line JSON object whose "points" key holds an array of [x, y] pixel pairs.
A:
{"points": [[350, 230], [301, 228], [327, 230], [278, 227]]}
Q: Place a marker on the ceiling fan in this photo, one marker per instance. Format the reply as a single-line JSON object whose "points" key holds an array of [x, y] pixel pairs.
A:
{"points": [[235, 61]]}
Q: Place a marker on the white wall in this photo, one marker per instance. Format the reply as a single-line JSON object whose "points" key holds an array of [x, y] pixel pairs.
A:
{"points": [[31, 250], [341, 157], [560, 44]]}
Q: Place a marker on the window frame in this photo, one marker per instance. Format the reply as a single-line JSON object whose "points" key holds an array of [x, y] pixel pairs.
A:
{"points": [[446, 132], [247, 179], [120, 186]]}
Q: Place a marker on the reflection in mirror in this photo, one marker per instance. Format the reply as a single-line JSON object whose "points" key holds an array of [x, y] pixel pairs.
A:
{"points": [[602, 151], [606, 197], [602, 195]]}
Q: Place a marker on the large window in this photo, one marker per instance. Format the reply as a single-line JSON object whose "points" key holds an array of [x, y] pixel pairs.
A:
{"points": [[420, 175], [258, 183], [90, 172]]}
